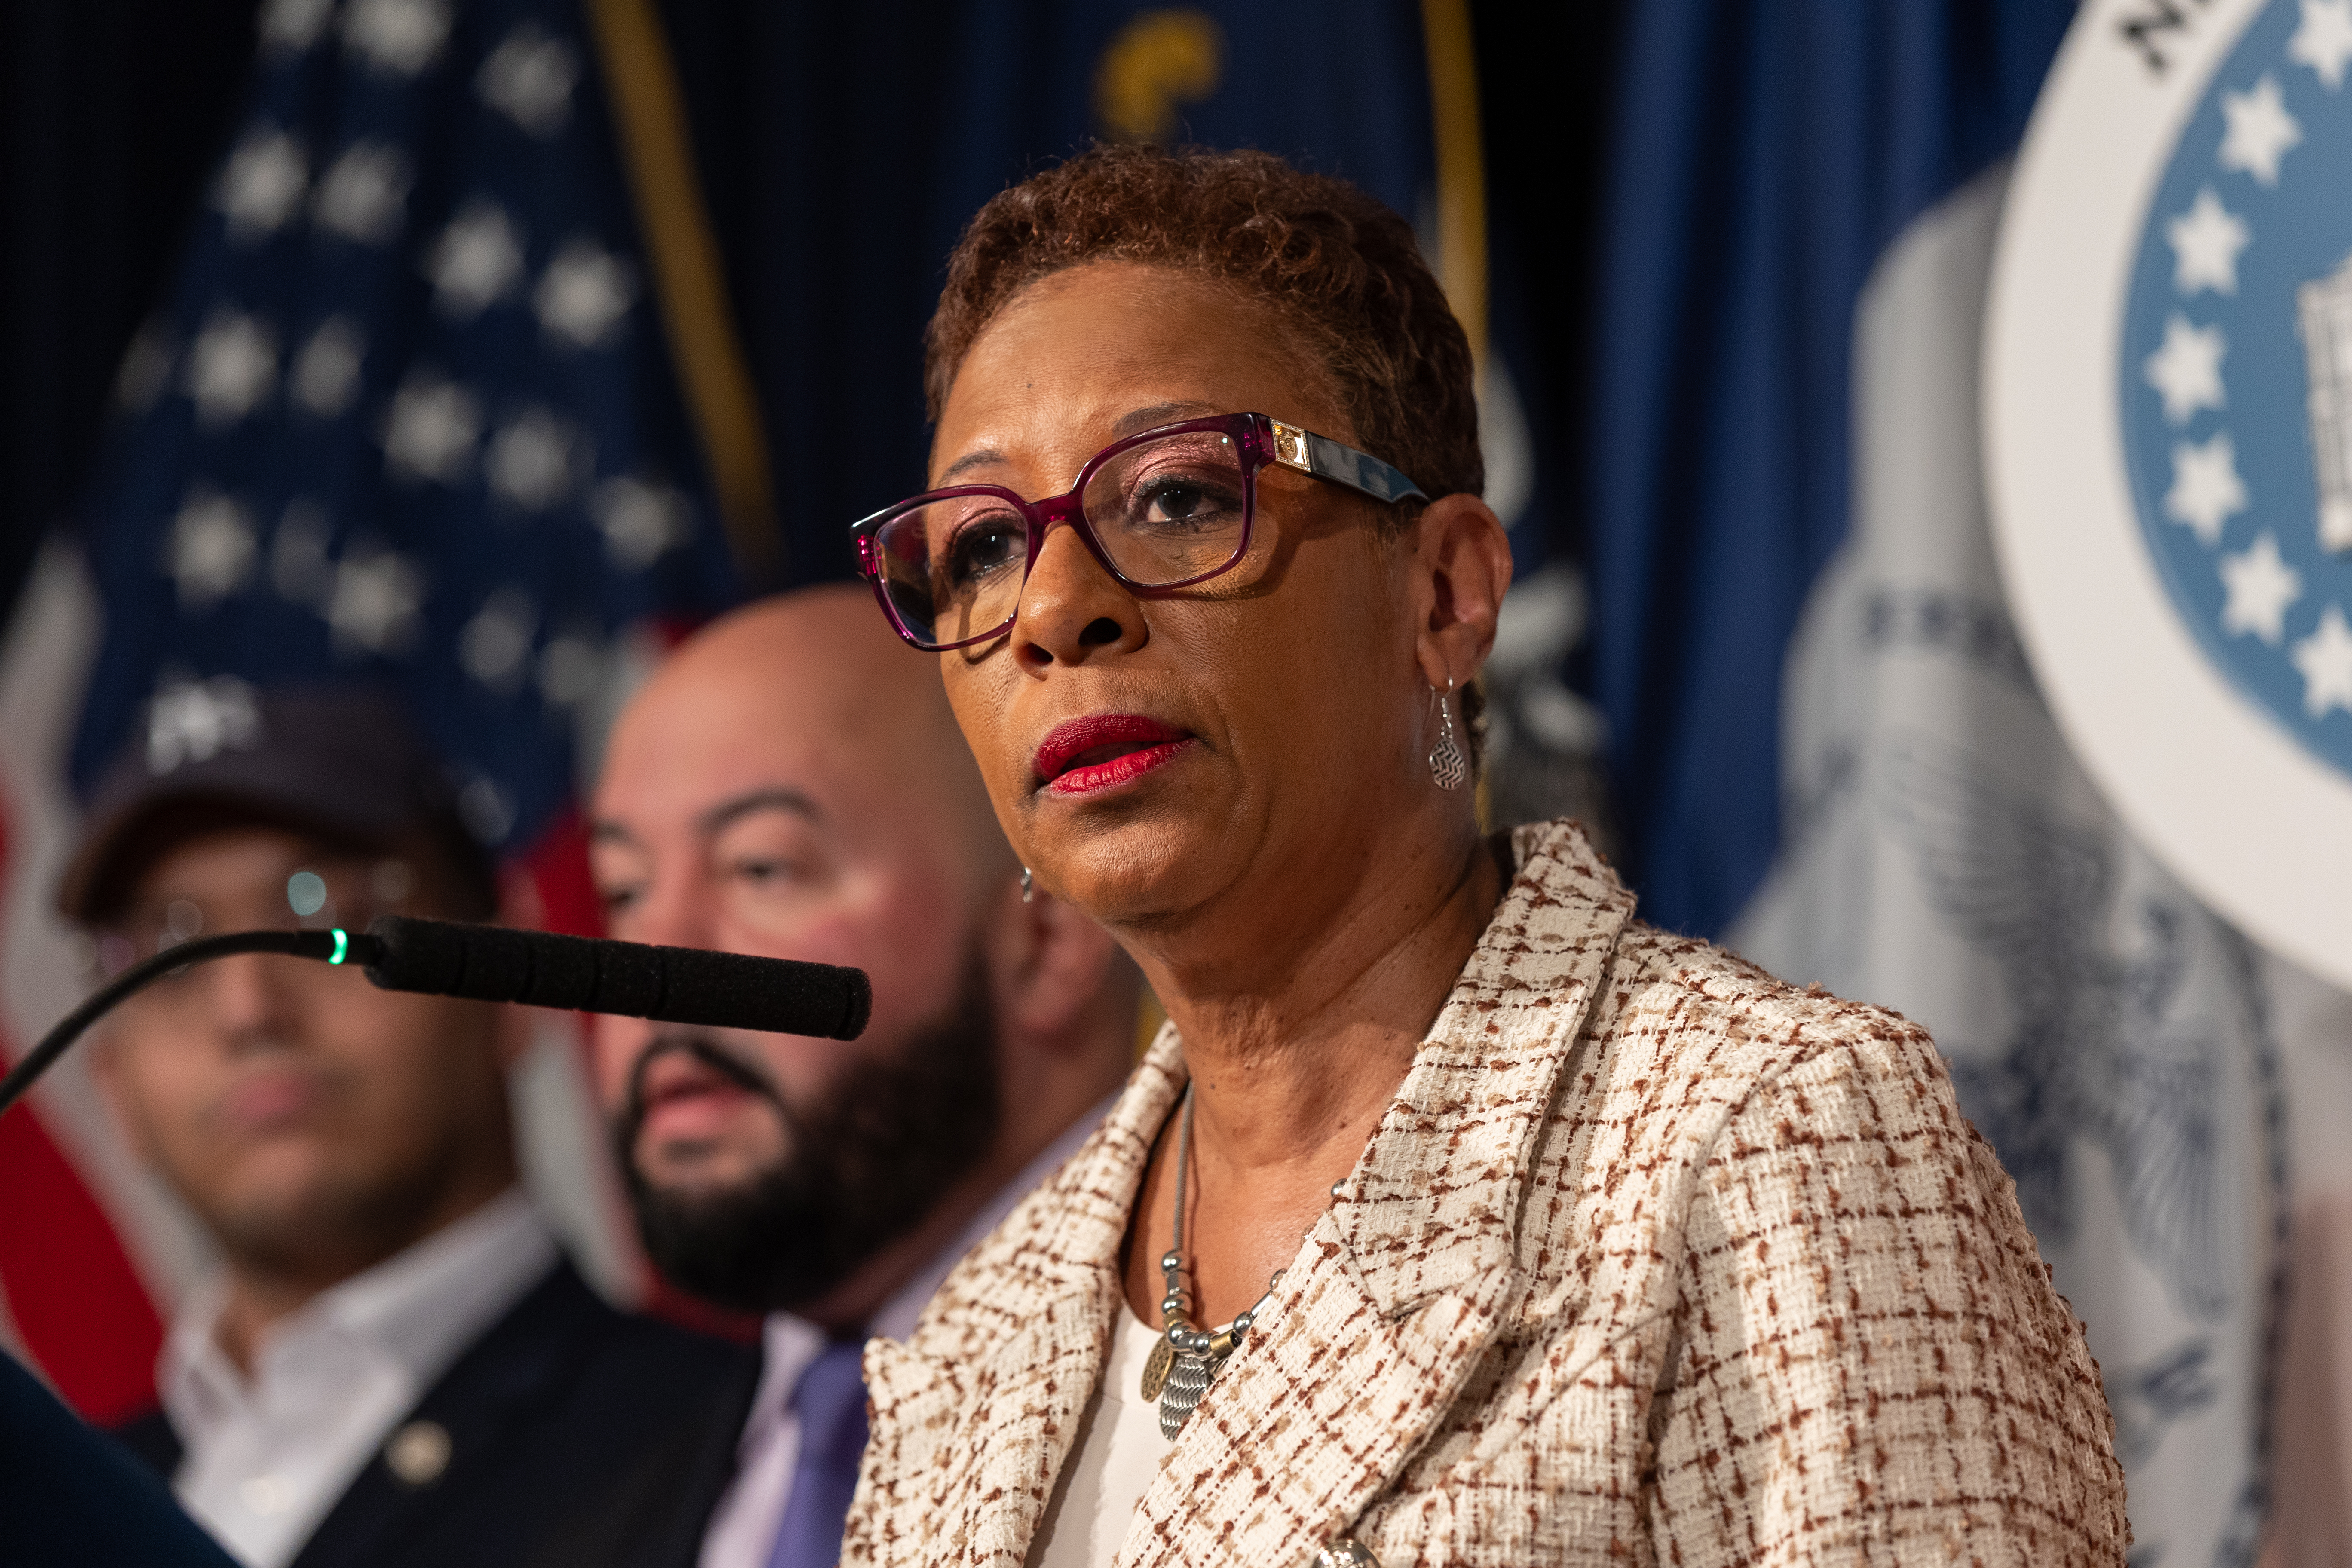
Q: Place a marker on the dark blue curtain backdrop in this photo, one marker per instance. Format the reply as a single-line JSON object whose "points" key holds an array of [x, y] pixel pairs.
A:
{"points": [[458, 486], [847, 146], [1761, 158], [842, 149]]}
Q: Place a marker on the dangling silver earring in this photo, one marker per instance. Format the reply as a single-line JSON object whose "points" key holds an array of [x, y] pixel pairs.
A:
{"points": [[1025, 890], [1447, 764]]}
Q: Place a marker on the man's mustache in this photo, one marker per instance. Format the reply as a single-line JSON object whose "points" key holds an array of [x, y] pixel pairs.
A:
{"points": [[744, 1075]]}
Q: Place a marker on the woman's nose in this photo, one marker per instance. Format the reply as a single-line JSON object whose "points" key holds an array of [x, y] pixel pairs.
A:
{"points": [[1072, 608]]}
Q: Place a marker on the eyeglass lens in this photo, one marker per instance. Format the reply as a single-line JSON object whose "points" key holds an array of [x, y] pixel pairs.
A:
{"points": [[1169, 510], [310, 899]]}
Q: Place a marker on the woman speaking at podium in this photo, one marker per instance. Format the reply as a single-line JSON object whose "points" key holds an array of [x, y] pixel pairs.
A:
{"points": [[1456, 1217]]}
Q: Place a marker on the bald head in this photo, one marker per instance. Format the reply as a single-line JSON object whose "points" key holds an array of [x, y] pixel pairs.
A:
{"points": [[765, 689]]}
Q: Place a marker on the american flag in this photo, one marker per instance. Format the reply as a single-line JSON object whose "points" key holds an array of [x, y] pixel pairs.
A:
{"points": [[409, 414], [409, 417]]}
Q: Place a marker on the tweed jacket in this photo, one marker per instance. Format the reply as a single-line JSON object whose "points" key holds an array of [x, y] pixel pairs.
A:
{"points": [[1652, 1258]]}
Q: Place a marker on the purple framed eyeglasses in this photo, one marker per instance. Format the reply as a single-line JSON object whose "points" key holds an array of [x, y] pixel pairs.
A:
{"points": [[1161, 509]]}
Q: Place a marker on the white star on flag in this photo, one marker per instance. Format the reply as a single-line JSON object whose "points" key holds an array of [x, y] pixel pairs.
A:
{"points": [[2205, 241], [191, 720], [495, 644], [2188, 369], [530, 79], [375, 603], [399, 38], [294, 24], [486, 809], [2325, 661], [2206, 490], [146, 369], [363, 193], [212, 549], [639, 520], [232, 366], [431, 431], [570, 671], [475, 261], [327, 371], [2261, 587], [532, 460], [262, 183], [2334, 524], [2323, 40], [2259, 131], [583, 293]]}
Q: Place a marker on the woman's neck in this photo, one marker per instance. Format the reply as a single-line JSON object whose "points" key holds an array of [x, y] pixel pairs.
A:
{"points": [[1295, 1050]]}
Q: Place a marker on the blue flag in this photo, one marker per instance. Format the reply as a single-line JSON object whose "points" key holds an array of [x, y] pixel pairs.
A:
{"points": [[1830, 748], [1764, 156], [408, 415]]}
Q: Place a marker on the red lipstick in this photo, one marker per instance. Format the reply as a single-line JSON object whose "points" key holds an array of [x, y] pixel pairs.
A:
{"points": [[1105, 749]]}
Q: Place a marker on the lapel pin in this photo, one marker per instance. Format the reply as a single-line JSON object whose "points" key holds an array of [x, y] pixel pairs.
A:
{"points": [[418, 1452]]}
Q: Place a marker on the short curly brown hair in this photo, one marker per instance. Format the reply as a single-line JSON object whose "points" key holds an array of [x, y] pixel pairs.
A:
{"points": [[1341, 270]]}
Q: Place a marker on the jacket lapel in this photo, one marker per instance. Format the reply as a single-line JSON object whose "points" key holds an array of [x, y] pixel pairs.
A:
{"points": [[525, 1358], [1377, 1327], [1405, 1282], [979, 1412]]}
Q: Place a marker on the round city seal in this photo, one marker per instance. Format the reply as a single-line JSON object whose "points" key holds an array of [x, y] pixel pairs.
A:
{"points": [[2168, 441]]}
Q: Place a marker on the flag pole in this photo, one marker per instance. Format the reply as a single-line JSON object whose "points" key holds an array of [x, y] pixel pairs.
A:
{"points": [[1461, 166], [1461, 204], [649, 112]]}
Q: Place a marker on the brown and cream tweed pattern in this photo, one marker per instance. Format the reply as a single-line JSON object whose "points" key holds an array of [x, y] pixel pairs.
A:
{"points": [[1652, 1259]]}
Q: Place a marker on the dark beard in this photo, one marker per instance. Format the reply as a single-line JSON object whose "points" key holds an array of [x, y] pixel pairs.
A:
{"points": [[867, 1163]]}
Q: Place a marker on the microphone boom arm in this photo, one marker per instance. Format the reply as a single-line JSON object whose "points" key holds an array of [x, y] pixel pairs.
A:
{"points": [[498, 963], [333, 946]]}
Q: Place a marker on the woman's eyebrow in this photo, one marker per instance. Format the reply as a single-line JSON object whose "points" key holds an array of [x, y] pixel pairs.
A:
{"points": [[1126, 425], [1160, 414], [970, 461]]}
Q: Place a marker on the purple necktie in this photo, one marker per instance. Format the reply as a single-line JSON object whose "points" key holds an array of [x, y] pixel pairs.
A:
{"points": [[830, 1400]]}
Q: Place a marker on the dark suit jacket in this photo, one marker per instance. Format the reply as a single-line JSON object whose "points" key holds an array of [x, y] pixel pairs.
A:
{"points": [[68, 1495], [558, 1406], [653, 1516]]}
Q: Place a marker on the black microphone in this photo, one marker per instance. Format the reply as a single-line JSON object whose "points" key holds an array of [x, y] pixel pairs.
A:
{"points": [[495, 964], [669, 985]]}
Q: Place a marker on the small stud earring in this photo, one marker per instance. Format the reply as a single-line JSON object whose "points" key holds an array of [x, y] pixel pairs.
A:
{"points": [[1026, 891], [1447, 765]]}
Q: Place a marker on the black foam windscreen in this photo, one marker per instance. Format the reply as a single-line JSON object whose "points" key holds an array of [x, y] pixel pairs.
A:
{"points": [[671, 985]]}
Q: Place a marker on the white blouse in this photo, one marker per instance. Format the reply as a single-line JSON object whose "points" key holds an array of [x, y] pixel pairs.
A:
{"points": [[1118, 1451]]}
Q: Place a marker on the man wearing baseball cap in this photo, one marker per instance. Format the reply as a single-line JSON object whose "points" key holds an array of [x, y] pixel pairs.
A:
{"points": [[394, 1364]]}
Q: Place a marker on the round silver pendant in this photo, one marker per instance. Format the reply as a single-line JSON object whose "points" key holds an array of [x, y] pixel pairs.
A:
{"points": [[1155, 1368]]}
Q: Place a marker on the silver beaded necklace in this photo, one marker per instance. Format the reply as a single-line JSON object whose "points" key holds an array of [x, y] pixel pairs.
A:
{"points": [[1188, 1357]]}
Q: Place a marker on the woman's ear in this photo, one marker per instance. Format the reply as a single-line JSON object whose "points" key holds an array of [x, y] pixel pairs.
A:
{"points": [[1466, 557]]}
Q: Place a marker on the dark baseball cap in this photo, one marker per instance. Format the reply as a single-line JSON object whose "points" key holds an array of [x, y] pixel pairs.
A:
{"points": [[343, 763]]}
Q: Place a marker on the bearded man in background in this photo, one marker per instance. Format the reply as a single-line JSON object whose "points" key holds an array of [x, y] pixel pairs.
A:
{"points": [[790, 783]]}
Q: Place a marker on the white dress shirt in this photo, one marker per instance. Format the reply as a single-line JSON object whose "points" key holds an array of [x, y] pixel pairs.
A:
{"points": [[265, 1457], [742, 1530]]}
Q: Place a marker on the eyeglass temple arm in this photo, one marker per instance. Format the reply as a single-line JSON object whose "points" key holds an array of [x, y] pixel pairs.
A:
{"points": [[1327, 459]]}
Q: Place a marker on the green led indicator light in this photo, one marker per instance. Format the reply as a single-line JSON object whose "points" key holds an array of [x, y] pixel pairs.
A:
{"points": [[342, 945]]}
